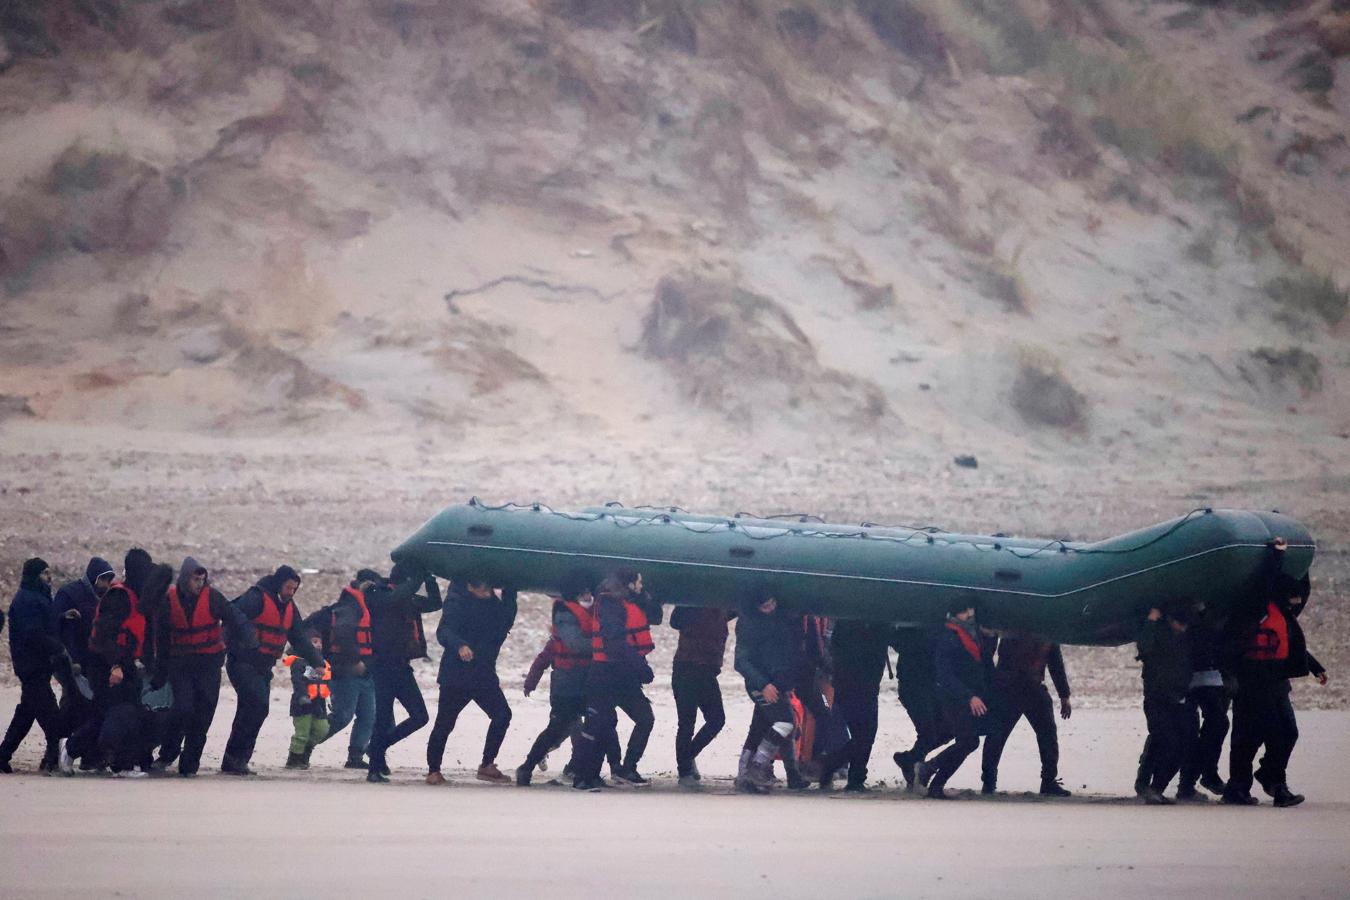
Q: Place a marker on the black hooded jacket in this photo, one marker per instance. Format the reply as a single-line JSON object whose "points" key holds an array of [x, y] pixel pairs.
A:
{"points": [[149, 581], [239, 631], [34, 640], [959, 675], [242, 643], [80, 596], [768, 648], [480, 625], [1244, 623], [396, 612]]}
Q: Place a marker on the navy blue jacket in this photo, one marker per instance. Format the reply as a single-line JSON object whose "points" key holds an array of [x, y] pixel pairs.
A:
{"points": [[959, 675], [79, 596], [768, 649], [480, 625], [34, 639]]}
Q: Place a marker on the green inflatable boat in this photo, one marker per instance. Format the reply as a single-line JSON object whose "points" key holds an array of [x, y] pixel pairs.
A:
{"points": [[1074, 593]]}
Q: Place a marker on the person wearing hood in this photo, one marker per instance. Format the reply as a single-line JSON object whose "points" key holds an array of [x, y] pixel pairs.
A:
{"points": [[350, 646], [474, 623], [769, 657], [397, 638], [76, 602], [693, 680], [961, 661], [1166, 673], [37, 653], [860, 653], [1265, 649], [568, 651], [190, 638], [252, 653], [123, 642], [1019, 684]]}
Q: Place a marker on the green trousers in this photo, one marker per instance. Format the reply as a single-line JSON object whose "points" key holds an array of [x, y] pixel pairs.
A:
{"points": [[309, 731]]}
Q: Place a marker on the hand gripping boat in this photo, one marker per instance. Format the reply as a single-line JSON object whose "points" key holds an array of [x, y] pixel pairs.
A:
{"points": [[1074, 593]]}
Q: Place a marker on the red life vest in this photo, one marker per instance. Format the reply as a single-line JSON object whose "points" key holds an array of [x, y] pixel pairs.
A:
{"points": [[568, 659], [131, 635], [637, 628], [1271, 641], [319, 689], [364, 646], [201, 635], [272, 624], [972, 646]]}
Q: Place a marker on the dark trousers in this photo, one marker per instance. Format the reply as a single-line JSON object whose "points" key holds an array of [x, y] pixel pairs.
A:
{"points": [[857, 705], [600, 729], [966, 740], [1013, 702], [1166, 718], [253, 688], [490, 700], [196, 691], [563, 714], [1206, 727], [696, 690], [37, 703], [765, 716], [127, 736], [930, 732], [394, 682], [1262, 717]]}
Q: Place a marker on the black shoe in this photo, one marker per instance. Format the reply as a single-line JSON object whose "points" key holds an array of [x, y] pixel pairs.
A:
{"points": [[1285, 798], [795, 782], [1053, 788], [923, 772], [5, 767], [1187, 794], [988, 786], [356, 761], [629, 777], [856, 787], [593, 785], [1155, 798], [906, 765], [523, 775], [1212, 783], [296, 761], [376, 777], [1233, 798], [936, 792], [229, 766]]}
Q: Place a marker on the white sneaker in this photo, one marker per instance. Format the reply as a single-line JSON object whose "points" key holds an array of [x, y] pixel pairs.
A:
{"points": [[64, 764], [130, 773]]}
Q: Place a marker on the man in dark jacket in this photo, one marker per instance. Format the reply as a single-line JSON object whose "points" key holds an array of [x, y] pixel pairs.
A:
{"points": [[474, 623], [37, 653], [76, 603], [961, 662], [918, 694], [270, 608], [191, 638], [769, 658], [614, 681], [569, 652], [693, 680], [396, 611], [346, 627], [1167, 676], [1206, 711], [1266, 648], [859, 650], [1019, 686]]}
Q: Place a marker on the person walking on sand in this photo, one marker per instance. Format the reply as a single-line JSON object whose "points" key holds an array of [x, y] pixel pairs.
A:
{"points": [[37, 653], [768, 657], [396, 611], [1167, 676], [961, 660], [693, 680], [474, 623]]}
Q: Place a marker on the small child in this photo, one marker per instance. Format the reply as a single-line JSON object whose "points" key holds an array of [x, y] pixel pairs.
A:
{"points": [[309, 705]]}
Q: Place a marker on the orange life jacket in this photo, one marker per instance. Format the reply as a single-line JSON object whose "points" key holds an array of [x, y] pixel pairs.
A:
{"points": [[1272, 637], [364, 646], [272, 624], [564, 658], [201, 635], [132, 633], [638, 629], [972, 646], [319, 689]]}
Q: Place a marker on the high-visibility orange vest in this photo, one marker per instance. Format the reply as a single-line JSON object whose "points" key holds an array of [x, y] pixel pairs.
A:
{"points": [[273, 623], [564, 658], [319, 689], [638, 630], [202, 634], [132, 633], [364, 646]]}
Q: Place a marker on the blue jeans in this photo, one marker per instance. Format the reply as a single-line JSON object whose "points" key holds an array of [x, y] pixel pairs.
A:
{"points": [[353, 697]]}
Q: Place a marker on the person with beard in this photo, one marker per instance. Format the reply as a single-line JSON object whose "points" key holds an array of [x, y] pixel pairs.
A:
{"points": [[917, 689], [693, 680], [396, 611], [37, 653], [769, 657], [859, 650], [614, 681], [474, 623], [568, 651], [269, 606], [961, 662], [76, 602], [1266, 648], [347, 625], [121, 638], [190, 639]]}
